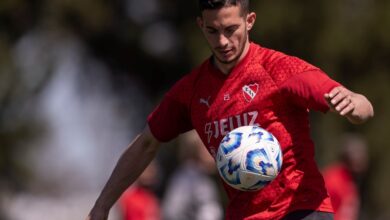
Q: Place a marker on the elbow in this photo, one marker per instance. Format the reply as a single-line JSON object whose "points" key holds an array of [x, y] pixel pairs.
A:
{"points": [[150, 143]]}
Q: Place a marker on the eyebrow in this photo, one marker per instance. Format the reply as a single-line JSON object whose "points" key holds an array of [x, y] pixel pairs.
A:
{"points": [[209, 27], [230, 26]]}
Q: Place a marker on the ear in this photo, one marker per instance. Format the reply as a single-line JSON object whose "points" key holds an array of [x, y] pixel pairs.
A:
{"points": [[200, 22], [250, 20]]}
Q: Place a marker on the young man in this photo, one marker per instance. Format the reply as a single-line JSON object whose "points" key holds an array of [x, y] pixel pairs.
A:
{"points": [[243, 83]]}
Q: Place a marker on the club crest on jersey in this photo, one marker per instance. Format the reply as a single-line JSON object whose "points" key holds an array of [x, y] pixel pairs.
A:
{"points": [[250, 91]]}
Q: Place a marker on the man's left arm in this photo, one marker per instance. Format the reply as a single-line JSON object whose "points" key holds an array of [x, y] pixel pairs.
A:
{"points": [[355, 107]]}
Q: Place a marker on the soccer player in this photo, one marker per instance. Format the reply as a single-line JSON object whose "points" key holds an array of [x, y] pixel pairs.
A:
{"points": [[243, 83], [342, 178]]}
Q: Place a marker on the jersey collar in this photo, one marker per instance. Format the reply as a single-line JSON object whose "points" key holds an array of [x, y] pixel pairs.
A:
{"points": [[237, 69]]}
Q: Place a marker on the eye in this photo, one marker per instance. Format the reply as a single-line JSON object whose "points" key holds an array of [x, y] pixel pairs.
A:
{"points": [[230, 30], [211, 31]]}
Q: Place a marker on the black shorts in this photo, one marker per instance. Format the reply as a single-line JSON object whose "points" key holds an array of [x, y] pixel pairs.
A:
{"points": [[309, 215]]}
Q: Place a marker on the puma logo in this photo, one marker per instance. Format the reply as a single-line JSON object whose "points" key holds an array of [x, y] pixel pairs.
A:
{"points": [[205, 101]]}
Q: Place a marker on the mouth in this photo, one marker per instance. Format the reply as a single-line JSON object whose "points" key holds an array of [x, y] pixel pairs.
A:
{"points": [[225, 52]]}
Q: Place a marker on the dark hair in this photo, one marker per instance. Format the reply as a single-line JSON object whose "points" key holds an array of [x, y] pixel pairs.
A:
{"points": [[217, 4]]}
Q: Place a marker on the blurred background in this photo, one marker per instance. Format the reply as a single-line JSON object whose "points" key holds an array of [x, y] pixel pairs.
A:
{"points": [[79, 77]]}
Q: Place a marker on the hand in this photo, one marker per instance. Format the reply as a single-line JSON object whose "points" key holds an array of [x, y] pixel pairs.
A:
{"points": [[341, 100], [355, 107]]}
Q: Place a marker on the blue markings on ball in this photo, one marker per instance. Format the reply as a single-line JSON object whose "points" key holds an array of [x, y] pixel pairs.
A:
{"points": [[261, 134], [232, 167], [230, 174], [258, 135], [231, 142], [249, 158], [255, 162], [266, 167], [268, 137], [279, 161]]}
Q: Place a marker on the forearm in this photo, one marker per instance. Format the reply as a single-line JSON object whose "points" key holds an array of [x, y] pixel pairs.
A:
{"points": [[130, 165]]}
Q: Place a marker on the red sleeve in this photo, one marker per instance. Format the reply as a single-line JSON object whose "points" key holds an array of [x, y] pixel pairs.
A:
{"points": [[307, 89], [171, 117]]}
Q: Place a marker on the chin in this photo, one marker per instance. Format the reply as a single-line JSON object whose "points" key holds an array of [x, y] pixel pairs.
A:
{"points": [[232, 58], [229, 60]]}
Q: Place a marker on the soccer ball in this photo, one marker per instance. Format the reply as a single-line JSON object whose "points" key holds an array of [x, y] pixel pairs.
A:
{"points": [[248, 158]]}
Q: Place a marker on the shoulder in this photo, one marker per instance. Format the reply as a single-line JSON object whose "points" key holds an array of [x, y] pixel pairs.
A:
{"points": [[281, 66]]}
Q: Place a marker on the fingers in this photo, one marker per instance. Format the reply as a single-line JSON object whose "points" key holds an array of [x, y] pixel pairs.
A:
{"points": [[345, 106], [340, 100], [336, 94]]}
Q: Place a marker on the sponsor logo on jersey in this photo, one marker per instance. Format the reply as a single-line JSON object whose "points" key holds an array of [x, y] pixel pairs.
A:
{"points": [[250, 91], [218, 129]]}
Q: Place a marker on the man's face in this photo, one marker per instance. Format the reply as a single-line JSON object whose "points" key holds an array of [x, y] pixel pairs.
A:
{"points": [[226, 31]]}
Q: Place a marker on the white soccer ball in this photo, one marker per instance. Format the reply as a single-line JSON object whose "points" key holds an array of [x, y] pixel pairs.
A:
{"points": [[248, 158]]}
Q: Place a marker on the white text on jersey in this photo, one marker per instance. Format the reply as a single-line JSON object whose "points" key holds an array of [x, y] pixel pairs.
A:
{"points": [[221, 127]]}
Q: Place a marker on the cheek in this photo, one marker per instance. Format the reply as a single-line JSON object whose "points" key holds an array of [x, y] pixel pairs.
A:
{"points": [[211, 39], [237, 40], [237, 35]]}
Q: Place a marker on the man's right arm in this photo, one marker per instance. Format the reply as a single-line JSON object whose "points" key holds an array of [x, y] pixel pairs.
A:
{"points": [[129, 166]]}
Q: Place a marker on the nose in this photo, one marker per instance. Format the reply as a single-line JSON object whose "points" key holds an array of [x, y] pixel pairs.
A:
{"points": [[223, 41]]}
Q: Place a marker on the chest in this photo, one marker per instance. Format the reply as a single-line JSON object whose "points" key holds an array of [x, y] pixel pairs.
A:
{"points": [[220, 105]]}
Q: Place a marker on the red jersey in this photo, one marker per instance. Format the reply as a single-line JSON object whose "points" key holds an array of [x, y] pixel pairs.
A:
{"points": [[266, 88], [343, 192], [137, 203]]}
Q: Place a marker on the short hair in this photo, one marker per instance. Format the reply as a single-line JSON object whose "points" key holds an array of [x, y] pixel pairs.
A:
{"points": [[217, 4]]}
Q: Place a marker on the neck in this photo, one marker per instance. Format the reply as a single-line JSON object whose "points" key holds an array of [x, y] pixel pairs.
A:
{"points": [[226, 68]]}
